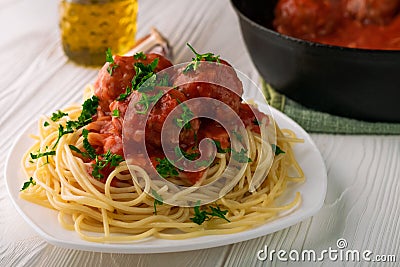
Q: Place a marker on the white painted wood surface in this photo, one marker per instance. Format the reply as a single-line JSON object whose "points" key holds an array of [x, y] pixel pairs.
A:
{"points": [[363, 199]]}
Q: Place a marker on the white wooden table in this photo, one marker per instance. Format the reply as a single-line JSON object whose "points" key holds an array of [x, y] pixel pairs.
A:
{"points": [[363, 199]]}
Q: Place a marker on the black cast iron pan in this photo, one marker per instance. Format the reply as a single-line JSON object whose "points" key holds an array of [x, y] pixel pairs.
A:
{"points": [[356, 83]]}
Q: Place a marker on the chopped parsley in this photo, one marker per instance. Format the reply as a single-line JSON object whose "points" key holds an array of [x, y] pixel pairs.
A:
{"points": [[28, 183], [217, 212], [163, 81], [123, 96], [199, 216], [153, 81], [147, 100], [192, 156], [256, 122], [185, 118], [277, 149], [89, 108], [77, 150], [115, 113], [139, 55], [87, 146], [238, 136], [157, 200], [219, 148], [62, 132], [109, 58], [203, 163], [165, 168], [199, 57], [189, 156], [46, 123], [142, 74], [148, 84], [90, 151], [56, 116], [102, 161], [203, 215], [44, 154], [240, 156]]}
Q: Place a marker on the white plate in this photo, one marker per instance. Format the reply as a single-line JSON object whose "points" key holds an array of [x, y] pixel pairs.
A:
{"points": [[44, 221]]}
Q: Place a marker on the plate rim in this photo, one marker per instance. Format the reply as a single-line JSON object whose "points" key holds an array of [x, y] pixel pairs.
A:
{"points": [[145, 248]]}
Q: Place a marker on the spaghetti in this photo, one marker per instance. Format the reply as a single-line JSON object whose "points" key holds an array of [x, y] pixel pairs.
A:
{"points": [[116, 208]]}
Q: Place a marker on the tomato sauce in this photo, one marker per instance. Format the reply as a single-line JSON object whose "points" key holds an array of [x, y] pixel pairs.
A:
{"points": [[366, 24]]}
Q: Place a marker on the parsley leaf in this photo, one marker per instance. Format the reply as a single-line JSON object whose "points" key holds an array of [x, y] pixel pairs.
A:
{"points": [[157, 200], [185, 118], [73, 125], [199, 57], [123, 96], [102, 161], [87, 146], [217, 212], [165, 168], [219, 148], [199, 216], [77, 150], [115, 113], [163, 81], [256, 122], [58, 115], [46, 123], [89, 108], [192, 156], [189, 156], [62, 132], [203, 215], [146, 101], [142, 74], [44, 154], [277, 149], [240, 156], [90, 151], [237, 135], [139, 55], [154, 81], [203, 163], [109, 58], [28, 183]]}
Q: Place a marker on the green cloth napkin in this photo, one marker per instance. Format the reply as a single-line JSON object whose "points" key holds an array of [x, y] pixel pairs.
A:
{"points": [[320, 122]]}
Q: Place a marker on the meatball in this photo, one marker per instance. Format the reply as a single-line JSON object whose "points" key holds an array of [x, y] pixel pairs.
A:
{"points": [[224, 84], [155, 122], [372, 11], [158, 115], [306, 18], [108, 87]]}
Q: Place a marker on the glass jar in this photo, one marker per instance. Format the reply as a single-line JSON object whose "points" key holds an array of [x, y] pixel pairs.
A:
{"points": [[89, 27]]}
